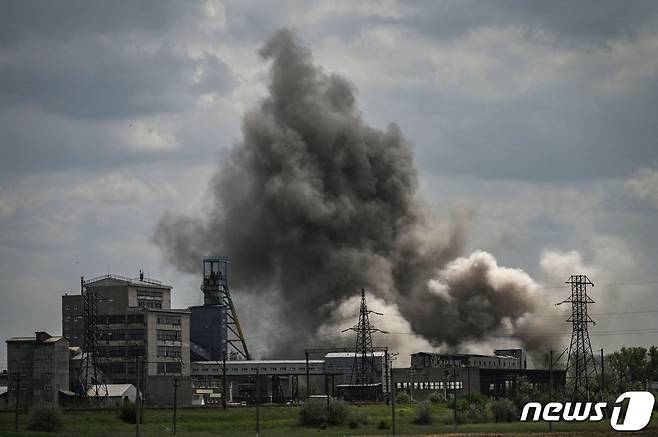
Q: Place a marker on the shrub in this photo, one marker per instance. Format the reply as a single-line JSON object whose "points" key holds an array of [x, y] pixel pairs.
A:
{"points": [[436, 398], [313, 413], [423, 413], [383, 425], [478, 398], [477, 413], [337, 412], [47, 419], [128, 413], [402, 398], [504, 410], [353, 423]]}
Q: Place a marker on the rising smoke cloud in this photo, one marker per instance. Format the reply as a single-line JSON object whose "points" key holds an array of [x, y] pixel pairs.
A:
{"points": [[313, 204]]}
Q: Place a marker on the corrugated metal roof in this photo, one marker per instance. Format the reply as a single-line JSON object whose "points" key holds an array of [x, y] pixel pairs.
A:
{"points": [[113, 390]]}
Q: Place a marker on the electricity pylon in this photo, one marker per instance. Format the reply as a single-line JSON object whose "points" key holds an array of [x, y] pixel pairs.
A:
{"points": [[581, 367], [364, 356]]}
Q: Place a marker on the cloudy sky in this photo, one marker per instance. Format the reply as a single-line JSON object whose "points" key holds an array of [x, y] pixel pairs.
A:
{"points": [[536, 121]]}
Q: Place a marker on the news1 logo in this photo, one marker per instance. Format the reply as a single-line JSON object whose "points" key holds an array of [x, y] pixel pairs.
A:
{"points": [[638, 412]]}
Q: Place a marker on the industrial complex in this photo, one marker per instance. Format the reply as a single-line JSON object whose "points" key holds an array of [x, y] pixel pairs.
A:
{"points": [[122, 340]]}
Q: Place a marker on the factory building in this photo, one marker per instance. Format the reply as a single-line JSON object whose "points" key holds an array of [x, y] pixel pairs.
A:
{"points": [[135, 319], [38, 369], [502, 359], [280, 380], [463, 375]]}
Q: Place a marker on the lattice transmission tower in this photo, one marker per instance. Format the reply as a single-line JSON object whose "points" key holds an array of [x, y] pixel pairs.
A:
{"points": [[91, 378], [216, 292], [581, 370], [363, 369]]}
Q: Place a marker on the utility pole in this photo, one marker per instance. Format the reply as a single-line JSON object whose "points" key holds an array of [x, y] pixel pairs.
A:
{"points": [[308, 378], [550, 386], [224, 380], [602, 372], [18, 394], [386, 377], [393, 394], [257, 402], [138, 398], [468, 378], [175, 401], [454, 395]]}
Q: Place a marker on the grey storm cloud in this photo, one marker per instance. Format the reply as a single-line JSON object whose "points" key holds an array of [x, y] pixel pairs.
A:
{"points": [[122, 82], [314, 203]]}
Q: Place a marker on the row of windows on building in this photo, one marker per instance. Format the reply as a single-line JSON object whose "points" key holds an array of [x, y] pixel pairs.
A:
{"points": [[169, 352], [169, 368], [128, 368], [430, 385], [169, 335], [120, 319], [429, 361], [120, 334], [149, 304], [169, 320], [263, 369], [121, 351]]}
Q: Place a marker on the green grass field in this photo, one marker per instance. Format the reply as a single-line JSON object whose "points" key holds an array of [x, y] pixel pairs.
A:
{"points": [[278, 421]]}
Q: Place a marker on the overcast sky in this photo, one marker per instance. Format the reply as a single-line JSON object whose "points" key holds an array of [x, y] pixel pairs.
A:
{"points": [[539, 119]]}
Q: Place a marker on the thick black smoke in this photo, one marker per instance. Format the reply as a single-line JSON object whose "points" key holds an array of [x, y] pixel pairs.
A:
{"points": [[314, 204]]}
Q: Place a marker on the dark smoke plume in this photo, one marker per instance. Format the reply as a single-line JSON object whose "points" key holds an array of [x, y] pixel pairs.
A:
{"points": [[313, 204]]}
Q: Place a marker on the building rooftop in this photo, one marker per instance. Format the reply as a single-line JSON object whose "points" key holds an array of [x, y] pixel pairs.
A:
{"points": [[112, 279], [352, 354], [259, 362], [43, 337], [449, 354], [113, 390]]}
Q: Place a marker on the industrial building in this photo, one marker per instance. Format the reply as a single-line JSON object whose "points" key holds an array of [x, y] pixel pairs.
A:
{"points": [[501, 359], [279, 380], [38, 369], [466, 374], [135, 326], [131, 326]]}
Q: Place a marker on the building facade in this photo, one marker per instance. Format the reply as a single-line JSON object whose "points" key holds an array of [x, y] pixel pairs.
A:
{"points": [[462, 375], [37, 369], [136, 327]]}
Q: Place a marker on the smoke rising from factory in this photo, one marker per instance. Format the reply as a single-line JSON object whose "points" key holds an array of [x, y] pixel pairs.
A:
{"points": [[313, 204]]}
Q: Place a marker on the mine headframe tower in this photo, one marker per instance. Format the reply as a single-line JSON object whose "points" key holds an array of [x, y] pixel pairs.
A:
{"points": [[363, 368], [581, 366], [216, 291], [92, 384]]}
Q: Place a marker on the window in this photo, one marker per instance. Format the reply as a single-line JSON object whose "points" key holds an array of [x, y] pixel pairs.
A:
{"points": [[168, 320], [168, 335], [168, 368], [169, 351]]}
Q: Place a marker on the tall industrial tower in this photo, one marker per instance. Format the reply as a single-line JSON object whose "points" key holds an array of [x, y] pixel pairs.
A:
{"points": [[364, 357], [216, 292], [581, 367], [91, 379]]}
